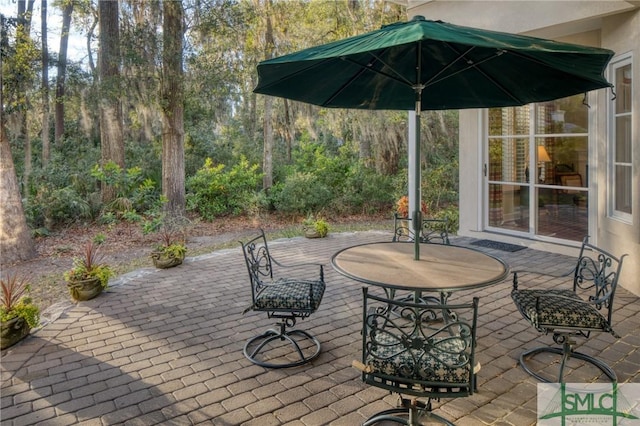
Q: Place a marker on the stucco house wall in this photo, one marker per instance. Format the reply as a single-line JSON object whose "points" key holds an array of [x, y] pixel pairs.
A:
{"points": [[612, 24]]}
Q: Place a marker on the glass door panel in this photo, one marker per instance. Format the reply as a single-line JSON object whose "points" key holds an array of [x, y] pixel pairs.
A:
{"points": [[539, 149]]}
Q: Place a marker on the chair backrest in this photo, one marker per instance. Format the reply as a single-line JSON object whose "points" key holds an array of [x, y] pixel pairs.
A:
{"points": [[258, 260], [572, 179], [596, 274], [435, 231], [427, 350]]}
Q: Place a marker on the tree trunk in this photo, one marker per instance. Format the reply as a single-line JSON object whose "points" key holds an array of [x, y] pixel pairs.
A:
{"points": [[15, 237], [62, 71], [267, 157], [267, 160], [289, 130], [25, 13], [28, 156], [46, 154], [111, 140], [173, 168], [91, 32]]}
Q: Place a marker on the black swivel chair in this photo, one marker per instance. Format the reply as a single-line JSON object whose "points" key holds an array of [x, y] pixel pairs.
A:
{"points": [[434, 231], [418, 353], [286, 298], [585, 306]]}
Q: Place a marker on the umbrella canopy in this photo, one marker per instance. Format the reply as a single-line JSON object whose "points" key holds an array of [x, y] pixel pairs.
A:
{"points": [[454, 67], [433, 65]]}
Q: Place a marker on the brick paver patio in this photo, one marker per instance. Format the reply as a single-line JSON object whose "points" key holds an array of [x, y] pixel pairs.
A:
{"points": [[165, 347]]}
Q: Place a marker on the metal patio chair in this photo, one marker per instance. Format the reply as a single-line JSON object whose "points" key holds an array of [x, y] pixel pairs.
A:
{"points": [[286, 298], [573, 312], [418, 355], [434, 231]]}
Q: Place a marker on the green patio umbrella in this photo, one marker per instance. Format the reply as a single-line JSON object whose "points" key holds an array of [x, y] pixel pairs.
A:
{"points": [[433, 65]]}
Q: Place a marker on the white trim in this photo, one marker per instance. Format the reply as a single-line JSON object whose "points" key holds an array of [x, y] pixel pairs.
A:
{"points": [[593, 163], [618, 62], [483, 154]]}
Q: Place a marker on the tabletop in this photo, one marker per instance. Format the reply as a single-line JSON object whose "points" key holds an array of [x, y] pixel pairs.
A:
{"points": [[440, 267]]}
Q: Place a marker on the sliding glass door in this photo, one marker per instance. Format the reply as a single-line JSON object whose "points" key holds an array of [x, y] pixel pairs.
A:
{"points": [[537, 169]]}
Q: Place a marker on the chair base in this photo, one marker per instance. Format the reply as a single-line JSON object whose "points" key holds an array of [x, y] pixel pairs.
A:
{"points": [[566, 352], [409, 414], [262, 341]]}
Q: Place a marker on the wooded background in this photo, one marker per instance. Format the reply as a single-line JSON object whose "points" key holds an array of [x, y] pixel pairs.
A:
{"points": [[158, 119]]}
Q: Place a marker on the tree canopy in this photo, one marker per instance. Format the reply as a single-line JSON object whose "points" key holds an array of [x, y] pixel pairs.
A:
{"points": [[322, 161]]}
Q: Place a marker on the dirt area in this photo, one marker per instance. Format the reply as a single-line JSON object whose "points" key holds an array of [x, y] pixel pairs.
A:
{"points": [[127, 249]]}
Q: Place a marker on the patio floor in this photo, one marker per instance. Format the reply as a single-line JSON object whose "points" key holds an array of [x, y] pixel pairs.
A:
{"points": [[165, 347]]}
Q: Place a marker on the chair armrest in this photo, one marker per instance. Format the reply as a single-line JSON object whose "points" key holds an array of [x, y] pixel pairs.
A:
{"points": [[294, 265], [535, 274], [301, 265], [362, 367]]}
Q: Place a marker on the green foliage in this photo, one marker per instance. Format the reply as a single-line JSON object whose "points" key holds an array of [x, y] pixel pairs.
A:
{"points": [[63, 192], [19, 66], [70, 165], [15, 301], [322, 180], [300, 193], [108, 218], [90, 264], [364, 191], [214, 192], [440, 185], [50, 206], [452, 213], [134, 193]]}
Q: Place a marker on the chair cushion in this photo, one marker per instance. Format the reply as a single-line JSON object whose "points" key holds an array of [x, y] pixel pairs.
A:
{"points": [[559, 309], [288, 294], [441, 359]]}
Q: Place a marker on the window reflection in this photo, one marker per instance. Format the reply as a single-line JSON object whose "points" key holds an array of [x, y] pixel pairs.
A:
{"points": [[567, 161], [509, 121], [562, 213], [621, 196], [539, 149], [568, 115]]}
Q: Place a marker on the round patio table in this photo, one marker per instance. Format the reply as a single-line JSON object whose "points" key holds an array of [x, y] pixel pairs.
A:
{"points": [[441, 268]]}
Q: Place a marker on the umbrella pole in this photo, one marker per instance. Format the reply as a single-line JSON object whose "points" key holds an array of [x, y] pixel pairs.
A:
{"points": [[416, 218], [417, 210]]}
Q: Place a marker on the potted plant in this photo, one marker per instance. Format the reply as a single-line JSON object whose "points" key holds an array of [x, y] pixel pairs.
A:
{"points": [[170, 251], [315, 228], [89, 275], [18, 314]]}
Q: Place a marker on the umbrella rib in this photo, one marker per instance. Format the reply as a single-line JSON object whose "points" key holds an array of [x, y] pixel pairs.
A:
{"points": [[472, 64], [400, 78], [435, 78], [344, 86], [363, 68]]}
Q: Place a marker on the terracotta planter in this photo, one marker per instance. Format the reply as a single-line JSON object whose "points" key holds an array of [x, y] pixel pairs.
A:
{"points": [[311, 233], [162, 261], [12, 331], [85, 289]]}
